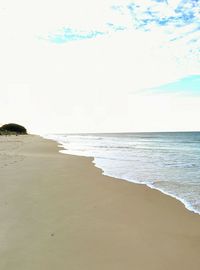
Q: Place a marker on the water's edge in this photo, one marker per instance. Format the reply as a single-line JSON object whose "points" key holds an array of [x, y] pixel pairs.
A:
{"points": [[64, 151]]}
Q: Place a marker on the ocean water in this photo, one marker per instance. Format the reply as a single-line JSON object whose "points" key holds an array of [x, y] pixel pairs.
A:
{"points": [[167, 161]]}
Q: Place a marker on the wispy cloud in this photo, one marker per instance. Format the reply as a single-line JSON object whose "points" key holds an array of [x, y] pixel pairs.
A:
{"points": [[170, 20], [164, 35], [164, 13], [128, 46], [68, 34]]}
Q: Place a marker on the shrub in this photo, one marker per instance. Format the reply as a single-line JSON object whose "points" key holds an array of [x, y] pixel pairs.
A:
{"points": [[12, 129]]}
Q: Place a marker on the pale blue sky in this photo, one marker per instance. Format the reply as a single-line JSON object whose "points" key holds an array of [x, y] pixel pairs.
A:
{"points": [[185, 86], [177, 21], [87, 63]]}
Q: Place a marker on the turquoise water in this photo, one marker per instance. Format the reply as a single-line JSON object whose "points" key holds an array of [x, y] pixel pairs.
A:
{"points": [[168, 161]]}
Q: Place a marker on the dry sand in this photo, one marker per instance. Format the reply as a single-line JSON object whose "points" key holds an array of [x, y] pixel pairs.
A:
{"points": [[58, 212]]}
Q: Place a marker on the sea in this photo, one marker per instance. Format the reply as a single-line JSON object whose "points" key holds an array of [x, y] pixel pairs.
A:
{"points": [[167, 161]]}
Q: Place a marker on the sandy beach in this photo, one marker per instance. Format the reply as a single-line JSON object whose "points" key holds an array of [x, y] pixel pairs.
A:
{"points": [[59, 212]]}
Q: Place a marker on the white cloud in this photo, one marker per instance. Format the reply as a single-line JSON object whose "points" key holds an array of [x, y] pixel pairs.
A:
{"points": [[87, 85]]}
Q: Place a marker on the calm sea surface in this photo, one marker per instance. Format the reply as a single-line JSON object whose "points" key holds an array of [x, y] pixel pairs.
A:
{"points": [[168, 161]]}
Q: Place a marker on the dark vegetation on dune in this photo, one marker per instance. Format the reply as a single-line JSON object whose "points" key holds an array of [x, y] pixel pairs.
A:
{"points": [[12, 129]]}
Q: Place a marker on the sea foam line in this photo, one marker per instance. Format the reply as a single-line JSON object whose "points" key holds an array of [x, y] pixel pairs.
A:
{"points": [[62, 145]]}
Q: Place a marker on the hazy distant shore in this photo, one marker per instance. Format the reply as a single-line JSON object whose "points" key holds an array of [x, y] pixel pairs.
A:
{"points": [[59, 212]]}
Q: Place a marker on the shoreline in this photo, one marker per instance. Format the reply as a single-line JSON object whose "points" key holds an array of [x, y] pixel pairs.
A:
{"points": [[185, 204], [59, 212]]}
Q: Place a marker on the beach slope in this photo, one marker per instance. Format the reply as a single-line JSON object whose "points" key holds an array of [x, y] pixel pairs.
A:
{"points": [[59, 212]]}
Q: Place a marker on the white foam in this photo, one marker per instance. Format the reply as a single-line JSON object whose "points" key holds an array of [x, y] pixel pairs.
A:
{"points": [[106, 160]]}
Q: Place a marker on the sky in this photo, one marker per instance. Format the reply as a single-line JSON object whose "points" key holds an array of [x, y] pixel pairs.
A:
{"points": [[100, 66]]}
